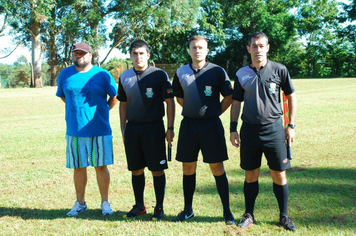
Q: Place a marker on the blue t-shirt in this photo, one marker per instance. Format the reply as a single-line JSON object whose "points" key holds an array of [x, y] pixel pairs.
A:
{"points": [[86, 94]]}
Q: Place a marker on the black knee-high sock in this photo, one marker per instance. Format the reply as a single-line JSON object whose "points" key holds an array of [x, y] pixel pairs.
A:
{"points": [[222, 185], [189, 182], [159, 183], [250, 192], [138, 185], [281, 193]]}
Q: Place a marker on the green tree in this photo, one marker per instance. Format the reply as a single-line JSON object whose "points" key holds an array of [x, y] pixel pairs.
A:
{"points": [[26, 17], [228, 24], [117, 66], [93, 29], [60, 32], [317, 20], [5, 52], [162, 24], [5, 72], [170, 20], [348, 18]]}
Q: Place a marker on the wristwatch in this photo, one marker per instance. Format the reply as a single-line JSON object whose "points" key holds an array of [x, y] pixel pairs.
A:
{"points": [[292, 125]]}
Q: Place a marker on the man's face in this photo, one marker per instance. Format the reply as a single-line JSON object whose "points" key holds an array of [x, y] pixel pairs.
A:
{"points": [[81, 59], [139, 57], [258, 49], [198, 50]]}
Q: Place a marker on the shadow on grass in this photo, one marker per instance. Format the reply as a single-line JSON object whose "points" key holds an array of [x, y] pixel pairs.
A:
{"points": [[29, 214], [317, 196], [51, 214]]}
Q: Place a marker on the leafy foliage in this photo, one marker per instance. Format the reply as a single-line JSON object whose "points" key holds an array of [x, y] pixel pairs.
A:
{"points": [[312, 38]]}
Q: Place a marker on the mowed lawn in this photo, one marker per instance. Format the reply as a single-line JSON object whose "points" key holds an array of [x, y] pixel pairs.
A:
{"points": [[36, 190]]}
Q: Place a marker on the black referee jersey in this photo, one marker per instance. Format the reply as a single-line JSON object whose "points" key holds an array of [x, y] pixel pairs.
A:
{"points": [[260, 90], [144, 92], [201, 90]]}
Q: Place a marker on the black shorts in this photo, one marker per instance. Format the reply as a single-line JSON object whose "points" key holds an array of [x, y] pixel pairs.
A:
{"points": [[206, 135], [145, 146], [268, 139]]}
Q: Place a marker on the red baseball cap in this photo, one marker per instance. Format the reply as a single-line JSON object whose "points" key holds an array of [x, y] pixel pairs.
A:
{"points": [[82, 47]]}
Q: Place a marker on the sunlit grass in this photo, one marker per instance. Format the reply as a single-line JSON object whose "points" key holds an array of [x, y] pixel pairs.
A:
{"points": [[37, 190]]}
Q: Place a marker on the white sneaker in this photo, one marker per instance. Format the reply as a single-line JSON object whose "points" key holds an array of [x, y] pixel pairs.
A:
{"points": [[77, 208], [106, 208]]}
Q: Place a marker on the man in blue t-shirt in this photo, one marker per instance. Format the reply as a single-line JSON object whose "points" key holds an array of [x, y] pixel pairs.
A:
{"points": [[84, 89]]}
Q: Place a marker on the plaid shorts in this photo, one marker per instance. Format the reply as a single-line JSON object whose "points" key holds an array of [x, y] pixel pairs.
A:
{"points": [[85, 151]]}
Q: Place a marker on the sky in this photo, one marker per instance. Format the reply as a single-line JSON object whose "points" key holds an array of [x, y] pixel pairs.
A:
{"points": [[6, 41]]}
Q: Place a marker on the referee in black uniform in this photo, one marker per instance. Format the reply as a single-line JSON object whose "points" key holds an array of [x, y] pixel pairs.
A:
{"points": [[197, 87], [258, 85], [142, 91]]}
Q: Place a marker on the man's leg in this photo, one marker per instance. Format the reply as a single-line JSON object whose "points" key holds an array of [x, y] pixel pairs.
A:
{"points": [[251, 189], [80, 181], [189, 183], [222, 185], [138, 185], [159, 183], [280, 189], [103, 179]]}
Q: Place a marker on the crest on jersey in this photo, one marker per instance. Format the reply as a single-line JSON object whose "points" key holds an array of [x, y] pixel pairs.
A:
{"points": [[272, 88], [149, 92], [208, 90]]}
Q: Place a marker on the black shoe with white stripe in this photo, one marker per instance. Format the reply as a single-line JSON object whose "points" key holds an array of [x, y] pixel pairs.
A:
{"points": [[184, 215]]}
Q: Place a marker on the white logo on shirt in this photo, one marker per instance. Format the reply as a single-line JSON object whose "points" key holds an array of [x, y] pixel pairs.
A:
{"points": [[272, 88], [185, 76]]}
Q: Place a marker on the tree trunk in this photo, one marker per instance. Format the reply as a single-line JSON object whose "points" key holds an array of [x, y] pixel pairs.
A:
{"points": [[314, 67], [36, 56], [95, 50], [244, 61], [54, 68], [349, 65], [164, 49], [53, 61]]}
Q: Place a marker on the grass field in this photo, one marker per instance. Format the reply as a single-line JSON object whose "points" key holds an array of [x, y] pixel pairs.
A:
{"points": [[36, 190]]}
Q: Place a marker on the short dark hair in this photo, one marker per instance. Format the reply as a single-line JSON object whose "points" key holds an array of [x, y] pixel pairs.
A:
{"points": [[196, 37], [257, 35], [139, 44]]}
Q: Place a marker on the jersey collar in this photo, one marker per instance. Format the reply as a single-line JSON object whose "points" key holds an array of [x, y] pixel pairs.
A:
{"points": [[254, 68], [197, 70]]}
